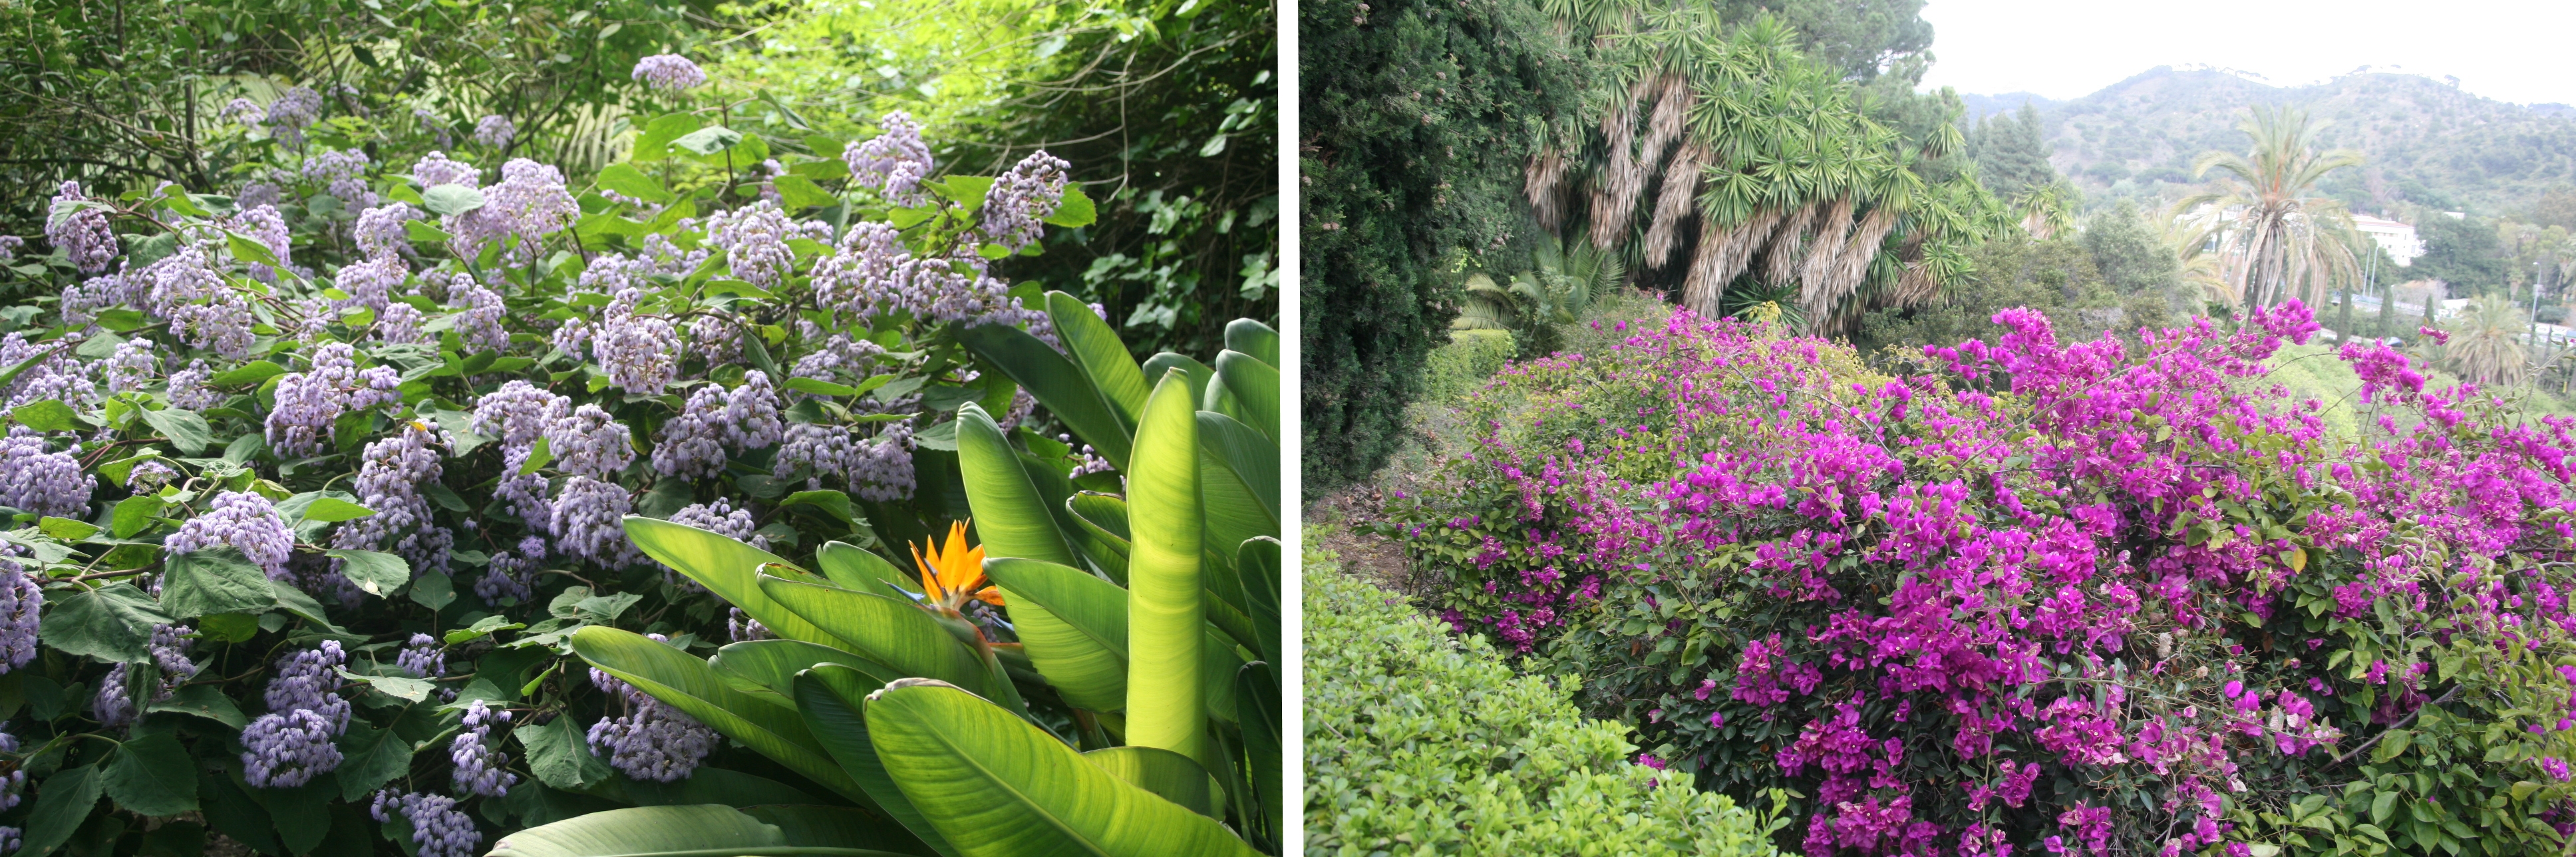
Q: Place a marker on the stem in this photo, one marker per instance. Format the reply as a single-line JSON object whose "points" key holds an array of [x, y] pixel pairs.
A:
{"points": [[2400, 724]]}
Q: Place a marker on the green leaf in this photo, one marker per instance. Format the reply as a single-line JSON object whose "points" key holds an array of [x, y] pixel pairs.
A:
{"points": [[830, 697], [727, 567], [1099, 354], [1166, 623], [134, 515], [152, 775], [832, 503], [47, 415], [112, 623], [881, 629], [433, 589], [326, 510], [695, 830], [1010, 516], [448, 200], [1073, 627], [967, 191], [215, 580], [294, 601], [560, 755], [1255, 385], [770, 666], [185, 429], [1075, 212], [819, 387], [1263, 723], [246, 374], [1253, 338], [66, 529], [375, 572], [992, 784], [62, 803], [248, 249], [629, 181], [797, 193], [655, 142], [1170, 775], [708, 140], [369, 758], [688, 684], [1243, 499], [1257, 565], [423, 232], [1055, 383], [399, 686], [853, 567], [204, 700]]}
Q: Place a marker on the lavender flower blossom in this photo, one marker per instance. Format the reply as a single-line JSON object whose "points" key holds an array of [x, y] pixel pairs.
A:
{"points": [[495, 131], [244, 521], [669, 72], [36, 480], [479, 761], [85, 237], [894, 162]]}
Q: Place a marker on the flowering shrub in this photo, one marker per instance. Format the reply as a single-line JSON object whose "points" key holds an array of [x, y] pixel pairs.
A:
{"points": [[2038, 595], [313, 481]]}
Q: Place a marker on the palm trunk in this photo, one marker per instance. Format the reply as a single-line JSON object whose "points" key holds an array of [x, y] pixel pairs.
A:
{"points": [[1673, 205], [1723, 253]]}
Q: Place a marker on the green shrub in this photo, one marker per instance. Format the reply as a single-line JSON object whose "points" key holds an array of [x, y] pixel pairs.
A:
{"points": [[1425, 743], [1458, 368]]}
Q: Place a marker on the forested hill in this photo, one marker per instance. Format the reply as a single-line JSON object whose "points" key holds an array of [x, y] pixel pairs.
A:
{"points": [[2428, 142]]}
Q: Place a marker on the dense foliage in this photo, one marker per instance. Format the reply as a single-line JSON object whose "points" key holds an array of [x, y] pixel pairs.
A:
{"points": [[2037, 595], [315, 482], [1422, 743], [1419, 118]]}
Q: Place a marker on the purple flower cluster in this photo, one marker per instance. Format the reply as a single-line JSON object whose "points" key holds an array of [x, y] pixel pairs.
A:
{"points": [[878, 469], [438, 828], [379, 231], [589, 522], [754, 241], [872, 274], [669, 72], [344, 174], [436, 169], [263, 224], [293, 743], [479, 761], [35, 479], [652, 740], [513, 575], [894, 163], [693, 444], [390, 479], [204, 311], [83, 236], [1023, 198], [309, 404], [422, 656], [495, 131], [641, 352], [590, 443]]}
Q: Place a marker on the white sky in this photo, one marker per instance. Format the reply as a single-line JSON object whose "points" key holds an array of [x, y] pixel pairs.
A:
{"points": [[2502, 49]]}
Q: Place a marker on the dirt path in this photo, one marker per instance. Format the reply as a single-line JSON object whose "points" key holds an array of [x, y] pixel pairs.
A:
{"points": [[1338, 523]]}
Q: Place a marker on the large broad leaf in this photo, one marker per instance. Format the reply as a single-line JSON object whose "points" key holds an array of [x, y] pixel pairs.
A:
{"points": [[1251, 465], [215, 580], [1103, 521], [1253, 338], [698, 830], [1258, 570], [770, 666], [725, 566], [852, 567], [61, 804], [1085, 661], [686, 683], [185, 429], [1010, 516], [894, 633], [809, 824], [1257, 710], [1055, 383], [1165, 773], [994, 785], [1098, 353], [112, 623], [1255, 386], [152, 775], [1166, 626], [831, 697], [1201, 374]]}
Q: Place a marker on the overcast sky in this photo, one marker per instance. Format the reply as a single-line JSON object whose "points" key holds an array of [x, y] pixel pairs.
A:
{"points": [[2501, 49]]}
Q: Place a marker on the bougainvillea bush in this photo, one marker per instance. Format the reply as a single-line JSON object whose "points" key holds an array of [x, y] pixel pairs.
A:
{"points": [[2028, 594], [314, 478]]}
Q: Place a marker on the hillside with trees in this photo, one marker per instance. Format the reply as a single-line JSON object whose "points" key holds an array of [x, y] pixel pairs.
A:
{"points": [[2428, 143]]}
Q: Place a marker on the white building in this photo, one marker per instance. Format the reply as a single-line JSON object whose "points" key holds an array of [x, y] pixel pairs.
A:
{"points": [[2396, 238]]}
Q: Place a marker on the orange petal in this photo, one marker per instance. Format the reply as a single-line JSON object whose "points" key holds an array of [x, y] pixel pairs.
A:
{"points": [[989, 595], [929, 579], [953, 569]]}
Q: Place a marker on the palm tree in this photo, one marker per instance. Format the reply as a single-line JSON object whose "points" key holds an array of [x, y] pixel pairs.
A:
{"points": [[1564, 277], [2191, 240], [2279, 242], [1730, 155], [2486, 344]]}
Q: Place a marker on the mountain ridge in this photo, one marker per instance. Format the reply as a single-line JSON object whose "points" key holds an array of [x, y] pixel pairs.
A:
{"points": [[2428, 143]]}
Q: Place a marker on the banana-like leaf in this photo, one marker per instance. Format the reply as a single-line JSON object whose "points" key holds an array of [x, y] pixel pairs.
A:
{"points": [[1251, 459], [894, 633], [770, 666], [1236, 627], [1257, 709], [697, 830], [1256, 386], [1219, 660], [1010, 516], [1257, 568], [852, 567], [1201, 374], [810, 825], [1055, 383], [686, 683], [1098, 353], [1086, 662], [1165, 773], [1054, 489], [832, 697], [1104, 515], [1254, 338], [725, 566], [1166, 624], [995, 786]]}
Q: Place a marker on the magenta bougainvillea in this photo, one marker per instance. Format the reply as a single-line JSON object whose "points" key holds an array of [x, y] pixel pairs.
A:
{"points": [[2113, 596]]}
